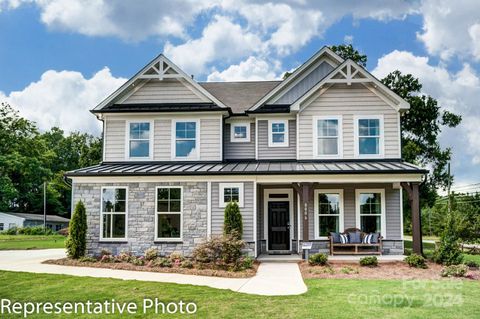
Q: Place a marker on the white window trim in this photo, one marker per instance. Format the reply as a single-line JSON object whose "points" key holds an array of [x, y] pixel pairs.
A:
{"points": [[339, 118], [221, 188], [127, 140], [270, 137], [341, 217], [383, 207], [356, 118], [166, 213], [234, 139], [174, 138], [102, 213]]}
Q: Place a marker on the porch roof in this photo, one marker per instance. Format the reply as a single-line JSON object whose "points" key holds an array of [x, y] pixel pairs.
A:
{"points": [[249, 168]]}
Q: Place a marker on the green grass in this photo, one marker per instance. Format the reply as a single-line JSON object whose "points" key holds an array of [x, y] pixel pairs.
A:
{"points": [[429, 248], [472, 257], [325, 298], [424, 237], [11, 242]]}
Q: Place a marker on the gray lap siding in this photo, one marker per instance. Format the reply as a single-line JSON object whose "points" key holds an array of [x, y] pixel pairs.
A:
{"points": [[141, 217]]}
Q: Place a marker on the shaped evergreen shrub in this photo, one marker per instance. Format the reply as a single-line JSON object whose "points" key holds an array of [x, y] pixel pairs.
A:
{"points": [[76, 242], [233, 223], [449, 252]]}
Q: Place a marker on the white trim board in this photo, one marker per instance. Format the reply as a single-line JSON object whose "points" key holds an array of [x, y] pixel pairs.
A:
{"points": [[383, 223], [316, 215]]}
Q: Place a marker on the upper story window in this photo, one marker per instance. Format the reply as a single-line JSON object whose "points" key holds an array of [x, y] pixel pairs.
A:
{"points": [[240, 132], [328, 136], [114, 213], [369, 136], [278, 133], [230, 192], [186, 144], [139, 143]]}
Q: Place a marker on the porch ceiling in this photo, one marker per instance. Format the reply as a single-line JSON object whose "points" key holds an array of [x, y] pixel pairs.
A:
{"points": [[250, 168]]}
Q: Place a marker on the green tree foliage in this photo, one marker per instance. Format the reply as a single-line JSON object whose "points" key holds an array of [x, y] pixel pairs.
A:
{"points": [[76, 242], [347, 51], [233, 223], [28, 158], [449, 252]]}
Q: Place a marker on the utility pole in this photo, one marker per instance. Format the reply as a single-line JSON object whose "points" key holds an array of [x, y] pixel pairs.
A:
{"points": [[45, 205], [449, 207]]}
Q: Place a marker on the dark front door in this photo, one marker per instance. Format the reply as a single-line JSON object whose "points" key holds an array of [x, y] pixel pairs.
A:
{"points": [[278, 226]]}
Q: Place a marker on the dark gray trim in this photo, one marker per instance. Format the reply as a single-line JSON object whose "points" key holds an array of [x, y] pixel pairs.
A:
{"points": [[161, 107]]}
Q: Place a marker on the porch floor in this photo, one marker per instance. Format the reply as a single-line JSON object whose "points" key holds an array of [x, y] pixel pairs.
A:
{"points": [[294, 258]]}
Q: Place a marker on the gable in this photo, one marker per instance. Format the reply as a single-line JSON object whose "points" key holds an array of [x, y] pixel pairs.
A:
{"points": [[165, 91], [301, 87]]}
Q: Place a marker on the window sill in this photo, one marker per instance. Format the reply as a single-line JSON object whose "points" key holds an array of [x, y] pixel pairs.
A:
{"points": [[113, 241], [168, 241]]}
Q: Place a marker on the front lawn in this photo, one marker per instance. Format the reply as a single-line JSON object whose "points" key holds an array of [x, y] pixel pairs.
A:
{"points": [[326, 298], [11, 242]]}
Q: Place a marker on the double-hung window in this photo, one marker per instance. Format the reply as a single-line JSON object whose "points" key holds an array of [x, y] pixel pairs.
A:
{"points": [[371, 210], [168, 221], [369, 136], [139, 142], [328, 136], [114, 213], [230, 192], [328, 205], [186, 139], [240, 132], [278, 133]]}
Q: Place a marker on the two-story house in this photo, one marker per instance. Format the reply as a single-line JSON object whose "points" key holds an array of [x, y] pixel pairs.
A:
{"points": [[317, 152]]}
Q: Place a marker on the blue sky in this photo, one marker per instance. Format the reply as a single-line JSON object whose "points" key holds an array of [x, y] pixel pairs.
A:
{"points": [[59, 58]]}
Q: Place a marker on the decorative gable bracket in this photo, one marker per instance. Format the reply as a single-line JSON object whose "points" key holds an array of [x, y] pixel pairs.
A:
{"points": [[350, 73], [160, 70]]}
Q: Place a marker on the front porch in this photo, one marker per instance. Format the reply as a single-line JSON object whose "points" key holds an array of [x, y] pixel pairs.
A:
{"points": [[289, 215], [295, 258]]}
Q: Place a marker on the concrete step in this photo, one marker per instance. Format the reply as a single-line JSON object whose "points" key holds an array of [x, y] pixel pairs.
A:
{"points": [[294, 258]]}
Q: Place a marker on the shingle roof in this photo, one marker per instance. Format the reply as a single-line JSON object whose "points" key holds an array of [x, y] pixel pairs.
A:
{"points": [[249, 168], [239, 96], [50, 218]]}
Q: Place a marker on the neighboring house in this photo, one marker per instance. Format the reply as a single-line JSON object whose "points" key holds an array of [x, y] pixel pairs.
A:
{"points": [[319, 151], [16, 220]]}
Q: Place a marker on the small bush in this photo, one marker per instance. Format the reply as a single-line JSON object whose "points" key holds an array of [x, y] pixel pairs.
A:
{"points": [[223, 252], [318, 259], [10, 231], [348, 270], [370, 261], [449, 252], [176, 256], [150, 254], [34, 231], [186, 264], [454, 271], [416, 261], [76, 242], [87, 259], [244, 263], [472, 264], [162, 262], [107, 259], [105, 252], [137, 261], [124, 257], [233, 223]]}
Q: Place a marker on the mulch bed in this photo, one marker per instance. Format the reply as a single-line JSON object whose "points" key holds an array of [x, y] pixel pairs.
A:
{"points": [[127, 266], [392, 270]]}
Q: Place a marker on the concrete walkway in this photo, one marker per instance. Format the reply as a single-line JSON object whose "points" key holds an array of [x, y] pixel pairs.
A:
{"points": [[272, 279]]}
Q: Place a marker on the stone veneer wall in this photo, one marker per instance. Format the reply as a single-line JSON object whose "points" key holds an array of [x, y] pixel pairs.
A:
{"points": [[390, 247], [141, 217]]}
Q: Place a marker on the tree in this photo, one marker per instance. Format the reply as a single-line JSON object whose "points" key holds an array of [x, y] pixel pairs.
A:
{"points": [[348, 52], [233, 220], [449, 252], [76, 242]]}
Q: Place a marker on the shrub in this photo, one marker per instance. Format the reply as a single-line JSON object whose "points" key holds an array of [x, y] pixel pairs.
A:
{"points": [[176, 256], [76, 242], [87, 259], [244, 263], [104, 252], [472, 264], [150, 254], [222, 251], [124, 256], [454, 271], [318, 259], [449, 252], [34, 231], [416, 261], [10, 231], [233, 220], [186, 264], [107, 259], [348, 270], [370, 261], [162, 262], [137, 261]]}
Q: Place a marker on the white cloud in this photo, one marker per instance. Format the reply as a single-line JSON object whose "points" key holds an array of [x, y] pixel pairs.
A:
{"points": [[252, 69], [457, 92], [64, 99], [221, 39], [451, 28], [348, 39]]}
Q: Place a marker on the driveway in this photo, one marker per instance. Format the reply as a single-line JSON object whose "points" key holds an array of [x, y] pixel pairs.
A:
{"points": [[272, 279]]}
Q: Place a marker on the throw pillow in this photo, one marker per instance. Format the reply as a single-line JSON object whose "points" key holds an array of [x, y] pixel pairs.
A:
{"points": [[355, 237], [344, 238], [335, 237]]}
